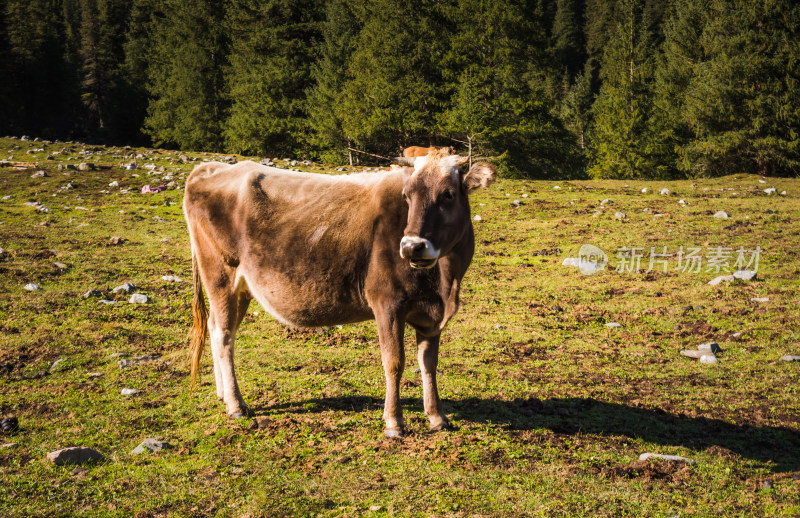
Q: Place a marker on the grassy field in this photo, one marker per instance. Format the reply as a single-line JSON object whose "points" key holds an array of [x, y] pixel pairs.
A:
{"points": [[553, 407]]}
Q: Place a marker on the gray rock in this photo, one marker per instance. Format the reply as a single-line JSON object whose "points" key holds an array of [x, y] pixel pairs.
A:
{"points": [[770, 190], [92, 293], [711, 347], [139, 298], [790, 358], [720, 279], [664, 192], [620, 215], [114, 184], [74, 455], [61, 266], [127, 288], [40, 174], [116, 240], [744, 275], [721, 214], [606, 202], [613, 325], [151, 446], [767, 484], [708, 358], [760, 299], [171, 278], [107, 302], [33, 287], [56, 364], [129, 392], [8, 445], [668, 458], [693, 354], [85, 166]]}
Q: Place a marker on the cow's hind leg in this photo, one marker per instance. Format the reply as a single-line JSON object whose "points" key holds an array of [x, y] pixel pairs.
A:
{"points": [[223, 322], [428, 357]]}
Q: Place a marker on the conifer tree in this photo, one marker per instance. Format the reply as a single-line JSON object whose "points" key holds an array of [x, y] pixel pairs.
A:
{"points": [[185, 75], [271, 52], [621, 146]]}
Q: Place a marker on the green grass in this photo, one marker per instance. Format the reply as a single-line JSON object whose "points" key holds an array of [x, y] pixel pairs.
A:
{"points": [[552, 408]]}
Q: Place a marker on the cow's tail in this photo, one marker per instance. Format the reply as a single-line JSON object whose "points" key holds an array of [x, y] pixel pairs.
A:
{"points": [[199, 332]]}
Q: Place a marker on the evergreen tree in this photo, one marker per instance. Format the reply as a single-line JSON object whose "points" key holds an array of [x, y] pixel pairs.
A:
{"points": [[742, 103], [568, 41], [621, 145], [576, 108], [271, 52], [185, 75], [324, 106]]}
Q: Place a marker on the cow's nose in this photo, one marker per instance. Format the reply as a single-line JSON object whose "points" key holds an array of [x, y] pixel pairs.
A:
{"points": [[411, 250]]}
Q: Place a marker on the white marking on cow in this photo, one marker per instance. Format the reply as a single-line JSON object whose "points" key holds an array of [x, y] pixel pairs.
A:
{"points": [[315, 236], [430, 252]]}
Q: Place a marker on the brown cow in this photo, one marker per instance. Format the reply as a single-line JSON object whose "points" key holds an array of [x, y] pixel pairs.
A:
{"points": [[415, 151], [319, 250]]}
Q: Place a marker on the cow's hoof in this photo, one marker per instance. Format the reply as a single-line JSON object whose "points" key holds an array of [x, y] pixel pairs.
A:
{"points": [[444, 426], [238, 415], [395, 433]]}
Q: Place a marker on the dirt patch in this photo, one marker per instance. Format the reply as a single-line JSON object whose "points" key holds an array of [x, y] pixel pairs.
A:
{"points": [[671, 472]]}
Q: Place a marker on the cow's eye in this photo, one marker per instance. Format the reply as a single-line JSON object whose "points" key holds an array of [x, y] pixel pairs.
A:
{"points": [[447, 195]]}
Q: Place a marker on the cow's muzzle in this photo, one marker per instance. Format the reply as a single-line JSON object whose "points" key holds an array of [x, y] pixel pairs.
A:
{"points": [[420, 252]]}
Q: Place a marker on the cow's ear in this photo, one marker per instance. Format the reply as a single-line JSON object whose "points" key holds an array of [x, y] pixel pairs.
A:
{"points": [[480, 175]]}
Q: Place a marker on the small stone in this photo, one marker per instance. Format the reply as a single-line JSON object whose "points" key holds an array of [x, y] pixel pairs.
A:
{"points": [[33, 287], [711, 347], [94, 374], [127, 288], [75, 455], [56, 364], [682, 202], [664, 192], [767, 484], [139, 298], [106, 302], [556, 187], [145, 358], [8, 445], [613, 325], [668, 458], [116, 241], [129, 392], [165, 240], [620, 215], [760, 299], [744, 275], [92, 293], [375, 507], [693, 354], [644, 191], [721, 278], [770, 190], [516, 203], [40, 174], [150, 445], [606, 202], [790, 358], [60, 266], [114, 184], [708, 359], [85, 166], [171, 278], [477, 218], [721, 214]]}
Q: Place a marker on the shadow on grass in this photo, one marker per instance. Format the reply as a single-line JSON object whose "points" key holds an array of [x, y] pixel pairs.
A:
{"points": [[775, 445]]}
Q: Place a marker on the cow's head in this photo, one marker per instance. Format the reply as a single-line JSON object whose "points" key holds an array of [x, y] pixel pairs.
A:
{"points": [[438, 207]]}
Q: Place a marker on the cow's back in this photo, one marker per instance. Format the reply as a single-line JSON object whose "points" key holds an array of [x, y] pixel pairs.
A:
{"points": [[301, 242]]}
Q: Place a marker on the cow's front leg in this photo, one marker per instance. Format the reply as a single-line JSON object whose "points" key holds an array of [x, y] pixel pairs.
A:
{"points": [[393, 356], [428, 357]]}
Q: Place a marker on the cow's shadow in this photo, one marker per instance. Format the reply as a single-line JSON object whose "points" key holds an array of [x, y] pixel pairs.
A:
{"points": [[778, 446]]}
